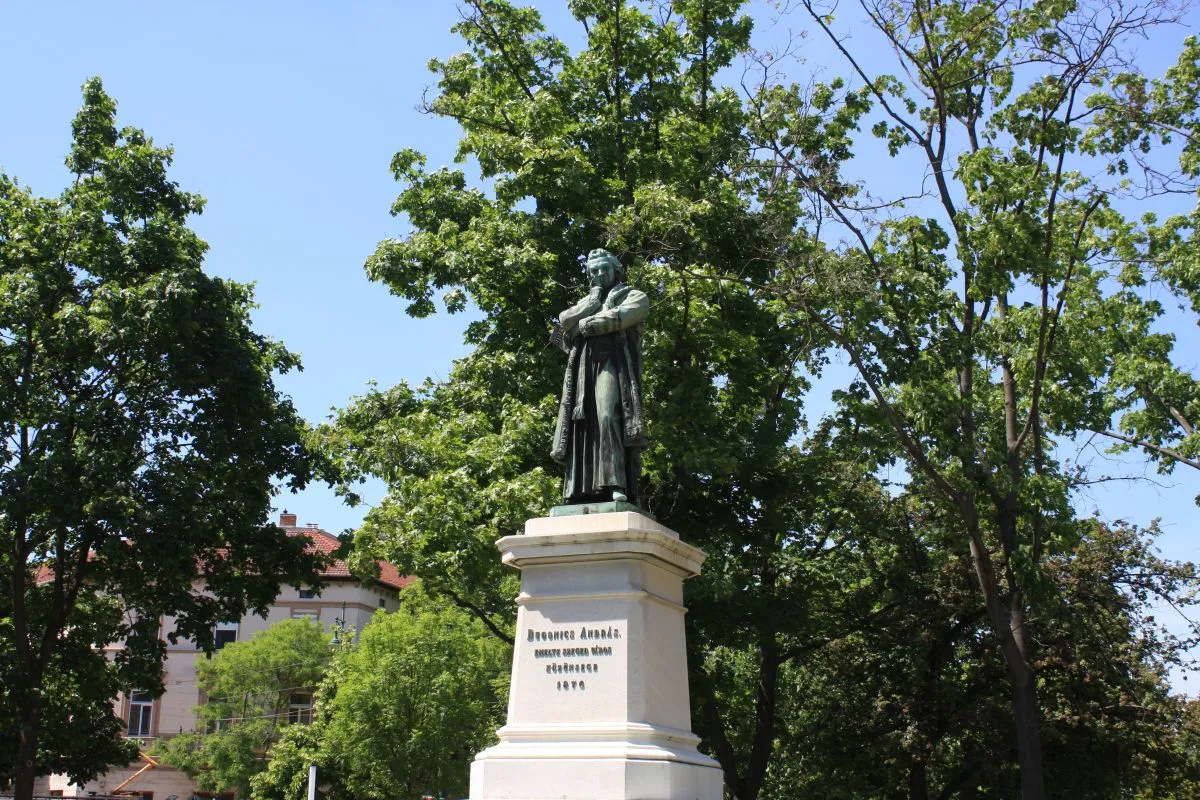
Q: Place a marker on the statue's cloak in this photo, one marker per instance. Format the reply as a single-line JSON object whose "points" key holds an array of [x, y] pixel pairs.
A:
{"points": [[621, 317]]}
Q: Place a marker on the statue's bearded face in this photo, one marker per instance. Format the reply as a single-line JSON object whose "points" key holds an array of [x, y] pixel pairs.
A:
{"points": [[601, 273]]}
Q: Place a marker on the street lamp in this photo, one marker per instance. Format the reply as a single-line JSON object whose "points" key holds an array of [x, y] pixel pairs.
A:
{"points": [[339, 625]]}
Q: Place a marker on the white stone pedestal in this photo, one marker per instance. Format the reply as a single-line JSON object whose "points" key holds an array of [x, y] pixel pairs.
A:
{"points": [[599, 703]]}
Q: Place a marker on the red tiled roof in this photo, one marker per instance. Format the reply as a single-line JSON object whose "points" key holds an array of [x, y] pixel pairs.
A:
{"points": [[322, 541], [44, 575], [325, 542]]}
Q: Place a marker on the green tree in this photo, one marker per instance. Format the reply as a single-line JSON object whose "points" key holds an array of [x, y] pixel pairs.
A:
{"points": [[1014, 309], [249, 689], [906, 706], [1111, 704], [141, 435], [80, 736], [934, 718], [723, 209], [628, 143], [403, 711]]}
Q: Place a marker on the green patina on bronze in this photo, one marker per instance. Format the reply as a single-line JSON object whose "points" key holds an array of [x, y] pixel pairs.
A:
{"points": [[601, 429]]}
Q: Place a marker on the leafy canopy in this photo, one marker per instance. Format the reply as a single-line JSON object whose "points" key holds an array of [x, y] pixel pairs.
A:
{"points": [[984, 330], [400, 713], [141, 438]]}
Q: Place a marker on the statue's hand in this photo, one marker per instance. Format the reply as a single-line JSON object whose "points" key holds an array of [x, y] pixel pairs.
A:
{"points": [[594, 300], [588, 305], [598, 324]]}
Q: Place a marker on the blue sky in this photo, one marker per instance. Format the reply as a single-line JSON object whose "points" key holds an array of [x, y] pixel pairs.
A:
{"points": [[285, 116]]}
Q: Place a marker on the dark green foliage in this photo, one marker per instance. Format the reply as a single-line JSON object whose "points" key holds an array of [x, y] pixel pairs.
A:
{"points": [[918, 704], [1018, 307], [80, 733], [140, 436]]}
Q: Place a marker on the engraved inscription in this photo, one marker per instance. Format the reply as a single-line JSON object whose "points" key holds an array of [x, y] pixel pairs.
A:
{"points": [[557, 655], [552, 669], [569, 634]]}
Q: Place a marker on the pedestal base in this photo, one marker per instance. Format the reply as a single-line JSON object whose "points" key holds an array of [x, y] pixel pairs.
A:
{"points": [[594, 779], [598, 708]]}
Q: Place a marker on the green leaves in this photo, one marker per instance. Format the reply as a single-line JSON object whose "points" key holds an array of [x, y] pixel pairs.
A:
{"points": [[1001, 315], [401, 712], [463, 466], [140, 434], [247, 689], [93, 129]]}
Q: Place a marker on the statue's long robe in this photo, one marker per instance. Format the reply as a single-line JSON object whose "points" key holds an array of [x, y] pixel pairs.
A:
{"points": [[601, 429]]}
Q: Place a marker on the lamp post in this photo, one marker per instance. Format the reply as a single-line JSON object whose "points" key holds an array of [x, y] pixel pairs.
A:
{"points": [[339, 625]]}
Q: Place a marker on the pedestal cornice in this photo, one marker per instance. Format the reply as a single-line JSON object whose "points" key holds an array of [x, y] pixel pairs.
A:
{"points": [[597, 537]]}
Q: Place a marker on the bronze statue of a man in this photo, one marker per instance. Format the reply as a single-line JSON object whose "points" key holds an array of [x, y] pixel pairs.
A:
{"points": [[601, 429]]}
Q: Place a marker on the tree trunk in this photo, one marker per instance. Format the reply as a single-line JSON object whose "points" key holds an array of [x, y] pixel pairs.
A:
{"points": [[25, 767], [722, 749], [739, 784], [918, 787], [764, 720], [1027, 716], [1028, 724], [1009, 624]]}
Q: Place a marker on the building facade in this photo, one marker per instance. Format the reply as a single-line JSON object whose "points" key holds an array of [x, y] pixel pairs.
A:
{"points": [[344, 603]]}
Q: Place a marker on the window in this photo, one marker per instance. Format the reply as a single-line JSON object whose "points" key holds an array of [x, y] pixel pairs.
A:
{"points": [[300, 709], [224, 633], [308, 594], [306, 613], [141, 708], [182, 641], [383, 602]]}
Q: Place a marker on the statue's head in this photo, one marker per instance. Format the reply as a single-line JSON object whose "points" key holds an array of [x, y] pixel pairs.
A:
{"points": [[604, 269]]}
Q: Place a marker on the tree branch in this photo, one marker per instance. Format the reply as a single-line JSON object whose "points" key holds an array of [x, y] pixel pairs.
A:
{"points": [[483, 616], [1174, 455]]}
